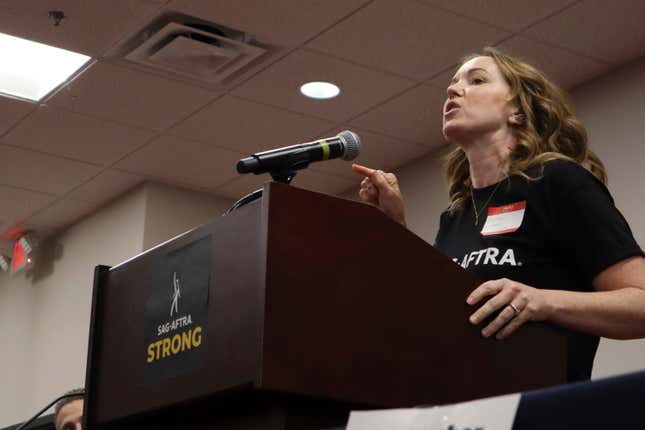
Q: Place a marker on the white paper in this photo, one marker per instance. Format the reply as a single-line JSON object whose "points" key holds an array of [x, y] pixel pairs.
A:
{"points": [[382, 420], [495, 413]]}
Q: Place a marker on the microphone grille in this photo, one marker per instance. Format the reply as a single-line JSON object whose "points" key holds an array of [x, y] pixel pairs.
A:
{"points": [[352, 144]]}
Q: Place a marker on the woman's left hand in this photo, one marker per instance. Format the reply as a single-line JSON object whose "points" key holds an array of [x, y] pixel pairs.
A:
{"points": [[519, 303]]}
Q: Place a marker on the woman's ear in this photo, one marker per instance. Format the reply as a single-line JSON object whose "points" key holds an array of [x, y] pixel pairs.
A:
{"points": [[516, 119]]}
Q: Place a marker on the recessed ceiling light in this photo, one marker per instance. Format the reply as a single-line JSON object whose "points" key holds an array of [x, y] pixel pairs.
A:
{"points": [[31, 70], [320, 90]]}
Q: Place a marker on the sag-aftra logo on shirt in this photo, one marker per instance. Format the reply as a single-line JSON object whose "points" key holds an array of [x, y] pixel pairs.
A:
{"points": [[488, 256]]}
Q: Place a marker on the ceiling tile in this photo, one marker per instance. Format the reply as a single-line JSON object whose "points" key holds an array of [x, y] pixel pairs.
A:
{"points": [[40, 172], [249, 127], [377, 151], [11, 111], [308, 179], [241, 186], [89, 27], [59, 215], [18, 204], [283, 22], [184, 162], [442, 79], [561, 66], [361, 88], [511, 15], [130, 97], [76, 136], [610, 31], [406, 37], [414, 116], [105, 187]]}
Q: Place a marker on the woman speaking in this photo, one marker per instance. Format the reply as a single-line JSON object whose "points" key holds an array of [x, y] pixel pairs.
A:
{"points": [[529, 212]]}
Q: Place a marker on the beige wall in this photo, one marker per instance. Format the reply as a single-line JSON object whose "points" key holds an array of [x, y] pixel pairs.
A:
{"points": [[63, 298], [613, 110], [16, 326], [171, 211], [46, 315], [45, 321], [425, 195]]}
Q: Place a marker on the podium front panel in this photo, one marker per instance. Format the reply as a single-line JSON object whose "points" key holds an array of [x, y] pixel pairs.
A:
{"points": [[227, 339]]}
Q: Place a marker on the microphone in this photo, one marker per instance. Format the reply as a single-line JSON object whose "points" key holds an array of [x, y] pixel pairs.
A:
{"points": [[345, 145]]}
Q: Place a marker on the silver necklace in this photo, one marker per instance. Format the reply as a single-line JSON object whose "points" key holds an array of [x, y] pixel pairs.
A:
{"points": [[478, 212]]}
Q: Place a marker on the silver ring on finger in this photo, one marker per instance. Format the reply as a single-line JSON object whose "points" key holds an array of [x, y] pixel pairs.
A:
{"points": [[515, 309]]}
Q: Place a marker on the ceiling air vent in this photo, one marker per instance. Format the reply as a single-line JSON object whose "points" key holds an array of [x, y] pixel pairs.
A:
{"points": [[189, 47]]}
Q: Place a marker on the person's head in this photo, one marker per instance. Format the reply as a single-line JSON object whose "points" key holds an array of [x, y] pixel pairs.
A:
{"points": [[68, 412], [479, 103], [501, 94]]}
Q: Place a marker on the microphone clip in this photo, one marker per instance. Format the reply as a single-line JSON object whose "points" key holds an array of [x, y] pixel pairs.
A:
{"points": [[283, 176]]}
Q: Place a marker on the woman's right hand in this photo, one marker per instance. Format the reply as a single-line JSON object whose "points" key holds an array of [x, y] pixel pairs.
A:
{"points": [[381, 189]]}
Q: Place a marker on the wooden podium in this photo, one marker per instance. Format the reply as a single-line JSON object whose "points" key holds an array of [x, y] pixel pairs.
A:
{"points": [[313, 305]]}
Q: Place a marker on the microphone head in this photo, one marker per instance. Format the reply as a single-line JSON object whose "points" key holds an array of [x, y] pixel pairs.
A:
{"points": [[352, 144]]}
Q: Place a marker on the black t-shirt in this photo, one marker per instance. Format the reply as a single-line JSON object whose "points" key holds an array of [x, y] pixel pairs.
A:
{"points": [[556, 232]]}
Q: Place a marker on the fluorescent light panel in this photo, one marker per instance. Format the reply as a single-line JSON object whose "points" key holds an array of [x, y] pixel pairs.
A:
{"points": [[31, 70]]}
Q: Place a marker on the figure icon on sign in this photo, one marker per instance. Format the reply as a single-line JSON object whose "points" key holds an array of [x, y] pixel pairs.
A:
{"points": [[174, 307]]}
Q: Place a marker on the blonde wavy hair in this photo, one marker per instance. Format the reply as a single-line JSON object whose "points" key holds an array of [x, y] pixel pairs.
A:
{"points": [[549, 129]]}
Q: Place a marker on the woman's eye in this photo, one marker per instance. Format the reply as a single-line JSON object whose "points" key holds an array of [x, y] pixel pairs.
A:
{"points": [[477, 81]]}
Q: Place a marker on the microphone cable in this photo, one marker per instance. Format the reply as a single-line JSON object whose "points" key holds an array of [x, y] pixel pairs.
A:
{"points": [[49, 405]]}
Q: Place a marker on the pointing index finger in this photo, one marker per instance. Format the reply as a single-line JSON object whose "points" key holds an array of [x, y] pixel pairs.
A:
{"points": [[362, 170]]}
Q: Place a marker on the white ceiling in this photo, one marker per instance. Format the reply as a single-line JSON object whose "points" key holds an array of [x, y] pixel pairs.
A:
{"points": [[119, 124]]}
